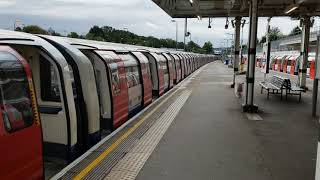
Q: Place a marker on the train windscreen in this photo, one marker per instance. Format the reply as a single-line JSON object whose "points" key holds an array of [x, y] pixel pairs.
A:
{"points": [[15, 98]]}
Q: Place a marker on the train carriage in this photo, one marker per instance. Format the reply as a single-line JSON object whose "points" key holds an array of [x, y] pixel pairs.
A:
{"points": [[111, 81]]}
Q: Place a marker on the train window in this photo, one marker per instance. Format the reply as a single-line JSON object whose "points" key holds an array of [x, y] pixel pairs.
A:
{"points": [[164, 67], [177, 64], [132, 75], [115, 79], [148, 69], [15, 98], [49, 81]]}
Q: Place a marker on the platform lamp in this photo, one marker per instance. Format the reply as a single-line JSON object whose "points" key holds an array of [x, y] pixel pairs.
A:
{"points": [[291, 7], [210, 21], [174, 21]]}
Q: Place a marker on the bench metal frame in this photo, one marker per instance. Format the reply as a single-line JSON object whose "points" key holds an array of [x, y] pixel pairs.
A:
{"points": [[286, 84]]}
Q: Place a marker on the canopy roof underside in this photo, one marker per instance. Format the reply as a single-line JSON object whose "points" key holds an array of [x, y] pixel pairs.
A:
{"points": [[232, 8]]}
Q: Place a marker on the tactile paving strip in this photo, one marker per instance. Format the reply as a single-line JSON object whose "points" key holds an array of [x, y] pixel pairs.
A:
{"points": [[104, 167], [130, 165]]}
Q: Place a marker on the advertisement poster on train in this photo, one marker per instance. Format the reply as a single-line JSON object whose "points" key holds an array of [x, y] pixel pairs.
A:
{"points": [[265, 60]]}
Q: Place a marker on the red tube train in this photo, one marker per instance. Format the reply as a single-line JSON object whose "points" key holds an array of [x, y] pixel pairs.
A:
{"points": [[80, 89], [290, 64]]}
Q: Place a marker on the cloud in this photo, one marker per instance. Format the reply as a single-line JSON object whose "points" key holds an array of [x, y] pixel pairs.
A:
{"points": [[7, 3], [142, 17]]}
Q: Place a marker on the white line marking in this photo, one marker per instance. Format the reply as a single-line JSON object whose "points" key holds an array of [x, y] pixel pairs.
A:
{"points": [[131, 164]]}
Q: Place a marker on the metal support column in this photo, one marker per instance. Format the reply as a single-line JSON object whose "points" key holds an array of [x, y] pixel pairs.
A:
{"points": [[185, 34], [316, 81], [304, 51], [317, 76], [236, 49], [253, 14]]}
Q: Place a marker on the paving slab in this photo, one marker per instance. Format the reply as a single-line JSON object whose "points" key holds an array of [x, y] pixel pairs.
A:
{"points": [[211, 138]]}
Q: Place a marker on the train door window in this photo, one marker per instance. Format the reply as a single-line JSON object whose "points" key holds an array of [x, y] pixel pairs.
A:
{"points": [[115, 79], [135, 73], [15, 98], [49, 81], [132, 75]]}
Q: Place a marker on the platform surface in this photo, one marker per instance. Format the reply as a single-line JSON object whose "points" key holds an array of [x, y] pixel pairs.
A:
{"points": [[198, 131]]}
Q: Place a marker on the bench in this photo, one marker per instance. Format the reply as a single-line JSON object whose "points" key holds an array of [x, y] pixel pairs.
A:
{"points": [[275, 86], [293, 89]]}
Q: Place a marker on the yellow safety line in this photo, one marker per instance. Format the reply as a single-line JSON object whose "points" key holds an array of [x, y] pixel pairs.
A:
{"points": [[105, 153]]}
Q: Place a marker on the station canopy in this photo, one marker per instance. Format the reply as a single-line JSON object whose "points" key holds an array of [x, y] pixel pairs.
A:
{"points": [[233, 8]]}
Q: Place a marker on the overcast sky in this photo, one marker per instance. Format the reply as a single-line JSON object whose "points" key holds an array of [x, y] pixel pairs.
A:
{"points": [[142, 17]]}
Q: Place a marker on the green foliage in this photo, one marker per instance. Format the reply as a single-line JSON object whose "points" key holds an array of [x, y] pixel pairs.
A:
{"points": [[275, 34], [34, 29], [110, 34], [73, 35], [207, 47]]}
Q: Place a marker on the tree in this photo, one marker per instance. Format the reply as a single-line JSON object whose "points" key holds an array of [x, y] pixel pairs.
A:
{"points": [[18, 29], [263, 40], [295, 30], [53, 32], [275, 34], [34, 29], [207, 47], [73, 35], [194, 47]]}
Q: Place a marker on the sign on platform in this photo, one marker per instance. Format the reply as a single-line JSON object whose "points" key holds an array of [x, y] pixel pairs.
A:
{"points": [[265, 60]]}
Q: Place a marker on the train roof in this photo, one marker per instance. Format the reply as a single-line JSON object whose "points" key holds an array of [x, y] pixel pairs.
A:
{"points": [[21, 38]]}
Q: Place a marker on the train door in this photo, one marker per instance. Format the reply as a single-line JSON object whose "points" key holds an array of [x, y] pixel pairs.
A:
{"points": [[53, 80], [163, 65], [146, 77], [86, 99], [177, 68], [171, 69], [285, 64], [282, 63], [156, 73], [295, 65], [193, 63], [20, 129], [185, 63], [182, 66], [118, 84], [310, 67], [134, 83], [103, 89]]}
